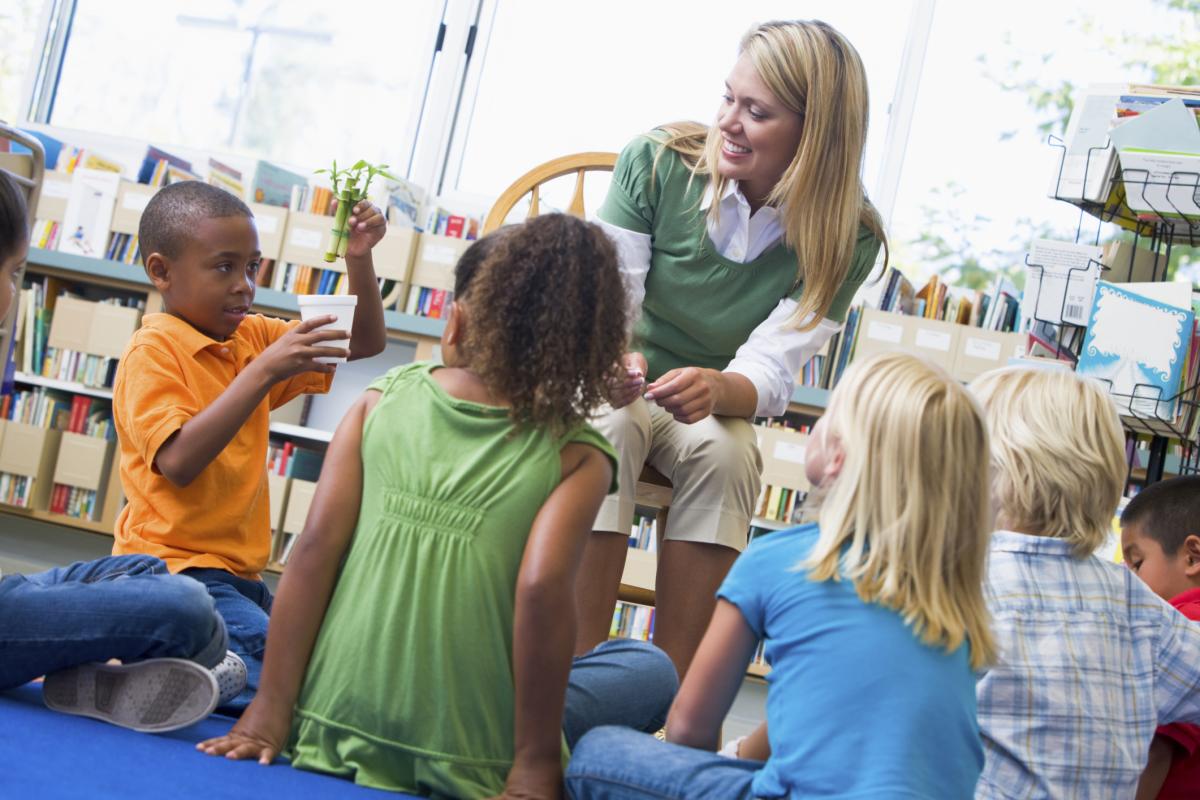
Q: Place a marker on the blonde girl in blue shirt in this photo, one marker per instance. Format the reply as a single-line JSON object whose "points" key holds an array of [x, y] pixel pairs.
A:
{"points": [[874, 619]]}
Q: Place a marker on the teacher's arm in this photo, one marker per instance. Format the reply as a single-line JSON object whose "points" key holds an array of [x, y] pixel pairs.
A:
{"points": [[758, 382]]}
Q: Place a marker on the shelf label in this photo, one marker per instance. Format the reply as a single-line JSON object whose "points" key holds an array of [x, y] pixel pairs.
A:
{"points": [[135, 201], [933, 340], [306, 238], [789, 451], [55, 188], [268, 225], [982, 348], [884, 331], [439, 254]]}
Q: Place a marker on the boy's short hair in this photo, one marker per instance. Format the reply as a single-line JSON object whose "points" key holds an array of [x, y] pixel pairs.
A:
{"points": [[1167, 511], [172, 215], [1058, 453]]}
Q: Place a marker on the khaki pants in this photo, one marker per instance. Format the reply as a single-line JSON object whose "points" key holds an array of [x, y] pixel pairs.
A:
{"points": [[713, 465]]}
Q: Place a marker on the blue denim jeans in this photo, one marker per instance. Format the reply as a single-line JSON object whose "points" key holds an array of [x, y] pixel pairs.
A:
{"points": [[620, 682], [617, 763], [245, 606], [124, 607]]}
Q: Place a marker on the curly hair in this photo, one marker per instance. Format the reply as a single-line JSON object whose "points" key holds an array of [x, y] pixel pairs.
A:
{"points": [[546, 321]]}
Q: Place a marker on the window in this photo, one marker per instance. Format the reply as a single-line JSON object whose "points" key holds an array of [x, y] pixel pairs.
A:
{"points": [[997, 80], [19, 20], [556, 78], [300, 81]]}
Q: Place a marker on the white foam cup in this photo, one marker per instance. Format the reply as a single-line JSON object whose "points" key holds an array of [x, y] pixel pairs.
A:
{"points": [[340, 306]]}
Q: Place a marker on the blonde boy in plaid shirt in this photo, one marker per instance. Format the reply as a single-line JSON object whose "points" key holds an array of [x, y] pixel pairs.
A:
{"points": [[1091, 660]]}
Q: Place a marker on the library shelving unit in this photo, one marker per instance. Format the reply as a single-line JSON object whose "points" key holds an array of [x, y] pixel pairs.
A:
{"points": [[1147, 206]]}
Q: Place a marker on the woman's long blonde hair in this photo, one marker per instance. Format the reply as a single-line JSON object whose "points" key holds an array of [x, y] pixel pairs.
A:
{"points": [[908, 518], [815, 72]]}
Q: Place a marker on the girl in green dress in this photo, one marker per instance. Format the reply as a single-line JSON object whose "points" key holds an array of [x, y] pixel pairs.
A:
{"points": [[422, 636]]}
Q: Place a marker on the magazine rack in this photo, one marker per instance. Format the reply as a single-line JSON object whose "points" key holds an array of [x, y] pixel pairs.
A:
{"points": [[1162, 225]]}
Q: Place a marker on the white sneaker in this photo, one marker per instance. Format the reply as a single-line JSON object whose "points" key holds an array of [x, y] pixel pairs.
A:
{"points": [[152, 696], [231, 677]]}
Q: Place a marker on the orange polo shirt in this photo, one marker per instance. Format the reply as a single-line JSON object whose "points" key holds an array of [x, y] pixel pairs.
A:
{"points": [[169, 372]]}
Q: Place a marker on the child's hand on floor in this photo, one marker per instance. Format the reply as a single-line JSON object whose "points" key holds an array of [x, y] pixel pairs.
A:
{"points": [[296, 350], [533, 782], [258, 734], [367, 226]]}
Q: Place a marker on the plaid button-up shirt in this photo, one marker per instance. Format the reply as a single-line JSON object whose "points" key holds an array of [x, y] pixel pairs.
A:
{"points": [[1091, 661]]}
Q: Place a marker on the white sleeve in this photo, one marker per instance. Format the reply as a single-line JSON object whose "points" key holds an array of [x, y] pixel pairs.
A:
{"points": [[633, 255], [775, 352]]}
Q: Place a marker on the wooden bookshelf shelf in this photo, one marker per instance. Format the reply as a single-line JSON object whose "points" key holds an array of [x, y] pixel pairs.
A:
{"points": [[301, 432], [58, 519], [65, 386], [124, 276]]}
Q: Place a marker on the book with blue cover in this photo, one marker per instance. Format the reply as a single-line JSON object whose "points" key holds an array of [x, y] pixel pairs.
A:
{"points": [[1137, 345]]}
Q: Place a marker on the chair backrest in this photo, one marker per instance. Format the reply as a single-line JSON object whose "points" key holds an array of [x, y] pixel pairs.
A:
{"points": [[28, 170], [531, 182]]}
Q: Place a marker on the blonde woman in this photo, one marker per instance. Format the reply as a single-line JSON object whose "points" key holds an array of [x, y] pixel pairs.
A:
{"points": [[1091, 660], [874, 618], [741, 247]]}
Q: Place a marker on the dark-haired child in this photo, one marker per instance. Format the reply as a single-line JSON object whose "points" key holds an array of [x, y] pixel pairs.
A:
{"points": [[423, 636], [194, 391], [66, 623], [1160, 538]]}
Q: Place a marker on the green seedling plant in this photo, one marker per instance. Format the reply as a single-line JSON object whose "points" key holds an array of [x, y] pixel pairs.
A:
{"points": [[349, 185]]}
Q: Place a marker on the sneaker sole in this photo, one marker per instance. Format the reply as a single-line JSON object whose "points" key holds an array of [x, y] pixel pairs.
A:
{"points": [[155, 696]]}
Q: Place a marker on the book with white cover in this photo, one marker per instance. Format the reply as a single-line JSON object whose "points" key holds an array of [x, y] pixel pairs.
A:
{"points": [[89, 212]]}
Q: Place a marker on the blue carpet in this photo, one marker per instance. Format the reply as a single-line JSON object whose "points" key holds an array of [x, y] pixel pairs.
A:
{"points": [[47, 755]]}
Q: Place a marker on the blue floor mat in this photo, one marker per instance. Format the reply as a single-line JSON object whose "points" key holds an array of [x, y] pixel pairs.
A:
{"points": [[48, 755]]}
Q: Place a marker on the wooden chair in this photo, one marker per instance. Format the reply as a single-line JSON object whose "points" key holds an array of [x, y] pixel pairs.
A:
{"points": [[654, 489]]}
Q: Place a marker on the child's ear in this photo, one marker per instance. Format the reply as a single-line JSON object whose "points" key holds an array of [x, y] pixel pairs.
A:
{"points": [[1191, 556], [157, 271], [453, 333], [835, 460]]}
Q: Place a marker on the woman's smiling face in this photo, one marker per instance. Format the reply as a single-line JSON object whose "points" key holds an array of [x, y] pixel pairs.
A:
{"points": [[760, 136]]}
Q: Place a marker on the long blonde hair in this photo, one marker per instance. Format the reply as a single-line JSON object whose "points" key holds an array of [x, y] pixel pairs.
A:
{"points": [[907, 518], [1058, 454], [815, 72]]}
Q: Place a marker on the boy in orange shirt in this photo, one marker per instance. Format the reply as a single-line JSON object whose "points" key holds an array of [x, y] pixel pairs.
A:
{"points": [[1160, 539], [194, 391]]}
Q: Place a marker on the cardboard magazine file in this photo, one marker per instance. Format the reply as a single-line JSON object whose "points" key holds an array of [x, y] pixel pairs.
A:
{"points": [[56, 188], [433, 266], [306, 238], [782, 453], [884, 332], [30, 451], [100, 329], [84, 463], [17, 164], [271, 222], [132, 199], [394, 254], [299, 498], [980, 351]]}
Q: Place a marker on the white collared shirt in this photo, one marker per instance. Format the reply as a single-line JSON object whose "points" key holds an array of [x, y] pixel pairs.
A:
{"points": [[775, 351]]}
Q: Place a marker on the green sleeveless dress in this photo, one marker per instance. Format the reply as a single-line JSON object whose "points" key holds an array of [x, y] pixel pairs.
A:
{"points": [[410, 686]]}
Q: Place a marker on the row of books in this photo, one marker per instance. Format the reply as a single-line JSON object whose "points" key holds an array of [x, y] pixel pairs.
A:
{"points": [[779, 504], [426, 302], [289, 460], [89, 417], [632, 621], [644, 535]]}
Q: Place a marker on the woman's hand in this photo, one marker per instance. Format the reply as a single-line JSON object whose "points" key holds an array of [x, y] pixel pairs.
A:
{"points": [[689, 393], [260, 734], [633, 378]]}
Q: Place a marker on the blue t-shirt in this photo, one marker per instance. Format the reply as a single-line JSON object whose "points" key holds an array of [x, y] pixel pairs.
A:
{"points": [[857, 706]]}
